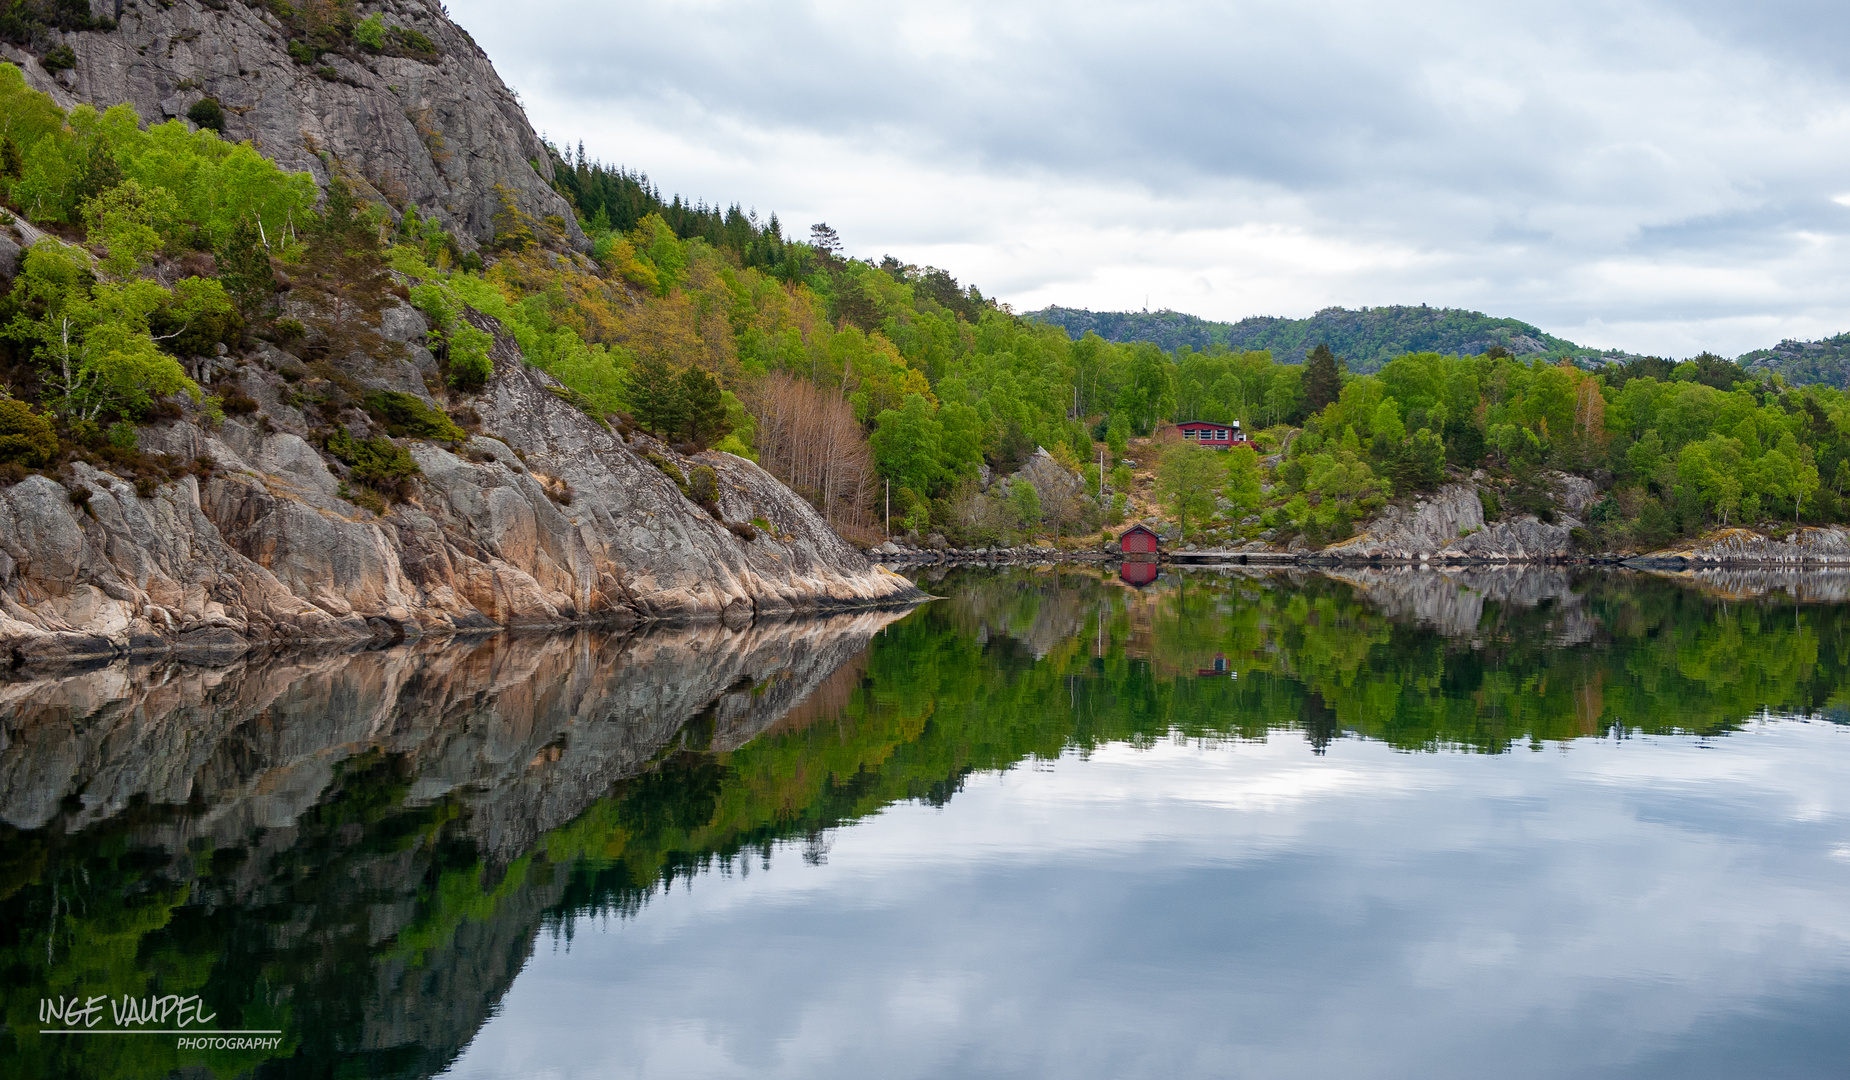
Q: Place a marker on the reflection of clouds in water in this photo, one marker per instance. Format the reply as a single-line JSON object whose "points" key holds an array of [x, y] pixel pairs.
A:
{"points": [[1250, 910]]}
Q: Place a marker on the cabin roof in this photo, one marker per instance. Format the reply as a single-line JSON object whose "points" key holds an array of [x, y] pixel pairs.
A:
{"points": [[1208, 423], [1138, 529]]}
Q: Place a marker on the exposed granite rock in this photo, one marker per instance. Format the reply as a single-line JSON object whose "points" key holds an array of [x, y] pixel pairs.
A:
{"points": [[556, 521], [1052, 482], [1803, 546], [1448, 526], [439, 135]]}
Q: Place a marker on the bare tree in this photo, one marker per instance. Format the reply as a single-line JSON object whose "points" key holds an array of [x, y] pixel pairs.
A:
{"points": [[809, 439]]}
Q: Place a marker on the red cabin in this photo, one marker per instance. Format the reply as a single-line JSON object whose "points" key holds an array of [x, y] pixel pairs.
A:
{"points": [[1219, 436], [1139, 544]]}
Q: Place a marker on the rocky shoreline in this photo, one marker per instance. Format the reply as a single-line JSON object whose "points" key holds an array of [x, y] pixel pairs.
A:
{"points": [[1525, 541], [545, 518]]}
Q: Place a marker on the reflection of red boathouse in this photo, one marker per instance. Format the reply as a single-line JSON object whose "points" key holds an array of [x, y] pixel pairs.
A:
{"points": [[1137, 573]]}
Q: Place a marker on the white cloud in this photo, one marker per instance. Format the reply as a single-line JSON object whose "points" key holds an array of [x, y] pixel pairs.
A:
{"points": [[1648, 175]]}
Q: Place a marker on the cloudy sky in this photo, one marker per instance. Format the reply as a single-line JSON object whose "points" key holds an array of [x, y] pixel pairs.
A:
{"points": [[1662, 177]]}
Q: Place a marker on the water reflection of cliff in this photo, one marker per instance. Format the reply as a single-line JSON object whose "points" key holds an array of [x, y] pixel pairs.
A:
{"points": [[335, 798]]}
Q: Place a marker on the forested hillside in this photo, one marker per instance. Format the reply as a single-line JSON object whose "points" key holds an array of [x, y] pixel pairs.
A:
{"points": [[846, 378], [1804, 362], [1366, 338]]}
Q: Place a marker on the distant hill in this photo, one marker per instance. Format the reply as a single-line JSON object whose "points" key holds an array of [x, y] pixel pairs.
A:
{"points": [[1805, 362], [1366, 338]]}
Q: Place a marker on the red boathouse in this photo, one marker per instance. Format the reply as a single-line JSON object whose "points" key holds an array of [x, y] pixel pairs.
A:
{"points": [[1139, 544], [1217, 435]]}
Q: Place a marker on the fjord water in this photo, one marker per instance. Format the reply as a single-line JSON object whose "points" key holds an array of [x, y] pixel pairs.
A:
{"points": [[1388, 823]]}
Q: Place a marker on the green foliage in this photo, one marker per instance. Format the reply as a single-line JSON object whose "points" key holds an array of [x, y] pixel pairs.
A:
{"points": [[513, 226], [1244, 480], [655, 396], [91, 339], [465, 348], [1189, 477], [370, 32], [406, 416], [908, 445], [1323, 383], [671, 471], [379, 463], [1025, 502], [705, 418], [703, 487], [26, 438], [214, 184], [208, 114], [126, 219], [244, 270], [196, 317]]}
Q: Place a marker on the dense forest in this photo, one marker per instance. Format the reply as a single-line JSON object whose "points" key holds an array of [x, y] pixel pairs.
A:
{"points": [[1368, 337], [847, 378]]}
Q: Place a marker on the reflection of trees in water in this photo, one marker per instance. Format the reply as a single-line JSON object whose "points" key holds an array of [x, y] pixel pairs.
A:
{"points": [[363, 849], [1318, 722]]}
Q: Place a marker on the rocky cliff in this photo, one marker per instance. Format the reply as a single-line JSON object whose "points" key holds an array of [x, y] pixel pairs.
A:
{"points": [[546, 518], [1799, 547], [1449, 526], [422, 121]]}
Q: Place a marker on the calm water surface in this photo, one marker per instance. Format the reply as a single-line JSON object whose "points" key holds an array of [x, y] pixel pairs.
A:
{"points": [[1388, 824]]}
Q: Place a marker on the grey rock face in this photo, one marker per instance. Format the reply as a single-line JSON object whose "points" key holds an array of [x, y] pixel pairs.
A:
{"points": [[1805, 546], [556, 521], [1574, 494], [1052, 482], [437, 135], [1449, 526]]}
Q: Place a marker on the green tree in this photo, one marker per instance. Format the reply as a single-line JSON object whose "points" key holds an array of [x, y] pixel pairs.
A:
{"points": [[1025, 503], [244, 269], [128, 220], [1244, 487], [1323, 383], [655, 396], [90, 339], [1186, 482], [704, 419], [26, 438], [906, 444]]}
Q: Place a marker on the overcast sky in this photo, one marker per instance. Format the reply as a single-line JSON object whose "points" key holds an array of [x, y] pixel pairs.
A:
{"points": [[1662, 177]]}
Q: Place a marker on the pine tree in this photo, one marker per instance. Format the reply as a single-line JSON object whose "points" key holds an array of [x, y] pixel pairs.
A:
{"points": [[703, 409], [655, 396], [1323, 383], [244, 270]]}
